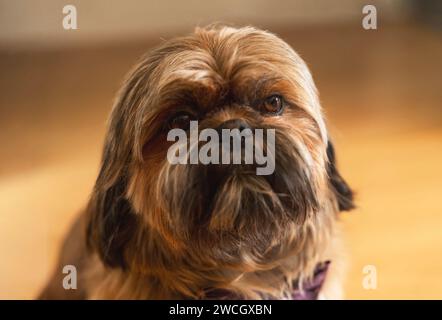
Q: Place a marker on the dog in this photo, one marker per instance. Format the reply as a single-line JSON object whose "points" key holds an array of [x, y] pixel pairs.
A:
{"points": [[156, 230]]}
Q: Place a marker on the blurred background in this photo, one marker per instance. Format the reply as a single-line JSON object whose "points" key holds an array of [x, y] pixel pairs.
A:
{"points": [[381, 91]]}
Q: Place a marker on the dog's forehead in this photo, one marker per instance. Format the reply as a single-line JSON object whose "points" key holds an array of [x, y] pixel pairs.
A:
{"points": [[212, 64]]}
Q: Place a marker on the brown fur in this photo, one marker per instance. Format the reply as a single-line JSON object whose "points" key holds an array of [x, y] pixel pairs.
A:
{"points": [[156, 230]]}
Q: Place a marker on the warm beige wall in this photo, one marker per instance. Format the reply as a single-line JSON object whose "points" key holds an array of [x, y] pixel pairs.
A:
{"points": [[39, 23]]}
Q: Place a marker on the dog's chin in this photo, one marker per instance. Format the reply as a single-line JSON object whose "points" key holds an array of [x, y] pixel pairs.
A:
{"points": [[231, 206]]}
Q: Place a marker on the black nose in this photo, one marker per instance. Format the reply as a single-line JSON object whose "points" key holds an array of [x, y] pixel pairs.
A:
{"points": [[234, 124]]}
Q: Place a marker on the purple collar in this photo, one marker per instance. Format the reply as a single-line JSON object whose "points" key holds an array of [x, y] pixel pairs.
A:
{"points": [[310, 290]]}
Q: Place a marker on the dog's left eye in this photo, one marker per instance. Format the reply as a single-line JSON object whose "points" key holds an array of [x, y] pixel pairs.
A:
{"points": [[180, 121], [273, 105]]}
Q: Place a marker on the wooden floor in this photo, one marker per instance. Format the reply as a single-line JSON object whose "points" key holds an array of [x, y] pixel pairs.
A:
{"points": [[381, 91]]}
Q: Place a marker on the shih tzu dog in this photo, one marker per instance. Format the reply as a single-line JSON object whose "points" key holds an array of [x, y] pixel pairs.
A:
{"points": [[158, 229]]}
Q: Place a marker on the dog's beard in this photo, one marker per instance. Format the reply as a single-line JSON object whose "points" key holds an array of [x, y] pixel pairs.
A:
{"points": [[230, 208]]}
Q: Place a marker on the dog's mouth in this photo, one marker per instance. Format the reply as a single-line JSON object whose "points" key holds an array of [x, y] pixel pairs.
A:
{"points": [[233, 196], [221, 180]]}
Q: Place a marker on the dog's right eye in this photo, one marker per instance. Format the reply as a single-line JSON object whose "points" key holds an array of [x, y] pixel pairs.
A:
{"points": [[274, 105], [180, 121]]}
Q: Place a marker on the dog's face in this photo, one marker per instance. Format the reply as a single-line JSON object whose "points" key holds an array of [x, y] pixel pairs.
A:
{"points": [[149, 214]]}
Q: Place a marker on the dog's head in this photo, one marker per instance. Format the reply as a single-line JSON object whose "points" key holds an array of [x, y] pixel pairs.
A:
{"points": [[150, 214]]}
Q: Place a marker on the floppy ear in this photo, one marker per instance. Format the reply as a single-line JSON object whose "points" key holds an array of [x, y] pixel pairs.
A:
{"points": [[112, 224], [344, 194], [111, 219]]}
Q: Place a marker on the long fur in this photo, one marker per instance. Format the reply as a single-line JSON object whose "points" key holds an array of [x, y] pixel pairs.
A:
{"points": [[156, 230]]}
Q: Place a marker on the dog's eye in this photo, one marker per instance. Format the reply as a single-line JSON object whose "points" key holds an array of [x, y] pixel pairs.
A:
{"points": [[273, 105], [180, 121]]}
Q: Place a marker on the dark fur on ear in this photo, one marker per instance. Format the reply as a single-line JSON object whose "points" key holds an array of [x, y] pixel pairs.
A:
{"points": [[343, 193], [112, 222]]}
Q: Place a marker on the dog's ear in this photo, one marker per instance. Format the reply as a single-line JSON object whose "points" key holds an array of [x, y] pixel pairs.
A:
{"points": [[112, 224], [111, 219], [343, 192]]}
